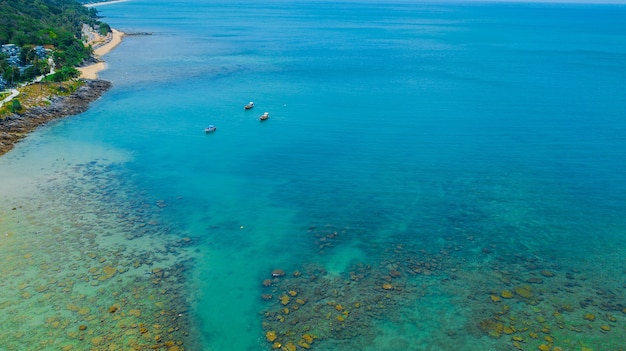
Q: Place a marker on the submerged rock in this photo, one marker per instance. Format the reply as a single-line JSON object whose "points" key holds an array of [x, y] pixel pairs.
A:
{"points": [[270, 335]]}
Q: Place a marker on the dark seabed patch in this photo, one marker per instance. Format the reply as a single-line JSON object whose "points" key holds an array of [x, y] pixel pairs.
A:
{"points": [[86, 264], [463, 291]]}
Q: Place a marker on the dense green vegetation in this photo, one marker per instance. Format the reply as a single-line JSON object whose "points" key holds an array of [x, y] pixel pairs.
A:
{"points": [[55, 24]]}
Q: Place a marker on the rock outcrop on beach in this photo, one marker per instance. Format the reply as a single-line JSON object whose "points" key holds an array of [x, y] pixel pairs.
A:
{"points": [[16, 126]]}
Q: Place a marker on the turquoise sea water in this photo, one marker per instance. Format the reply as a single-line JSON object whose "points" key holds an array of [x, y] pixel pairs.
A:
{"points": [[433, 176]]}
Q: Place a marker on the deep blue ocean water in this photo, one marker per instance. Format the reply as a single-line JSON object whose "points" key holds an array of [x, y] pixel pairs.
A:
{"points": [[433, 176]]}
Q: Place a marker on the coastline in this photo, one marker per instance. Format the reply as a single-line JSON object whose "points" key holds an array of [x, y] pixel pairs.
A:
{"points": [[102, 3], [91, 71], [15, 127]]}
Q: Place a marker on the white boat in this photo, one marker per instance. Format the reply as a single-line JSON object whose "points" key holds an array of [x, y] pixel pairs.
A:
{"points": [[210, 129], [249, 105], [264, 116]]}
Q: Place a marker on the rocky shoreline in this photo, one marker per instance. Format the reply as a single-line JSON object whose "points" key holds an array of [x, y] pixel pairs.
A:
{"points": [[16, 126]]}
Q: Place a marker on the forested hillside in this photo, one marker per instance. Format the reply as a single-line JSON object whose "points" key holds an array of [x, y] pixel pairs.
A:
{"points": [[55, 24], [41, 22]]}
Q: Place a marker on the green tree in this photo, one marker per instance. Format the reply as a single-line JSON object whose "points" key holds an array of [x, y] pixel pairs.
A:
{"points": [[30, 73], [16, 105], [104, 29], [65, 73], [11, 74]]}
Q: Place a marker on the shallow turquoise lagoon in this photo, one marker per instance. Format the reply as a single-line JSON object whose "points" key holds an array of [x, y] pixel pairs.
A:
{"points": [[433, 176]]}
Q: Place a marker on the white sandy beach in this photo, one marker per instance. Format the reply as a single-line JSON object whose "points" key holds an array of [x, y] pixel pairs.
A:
{"points": [[91, 71], [104, 3]]}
